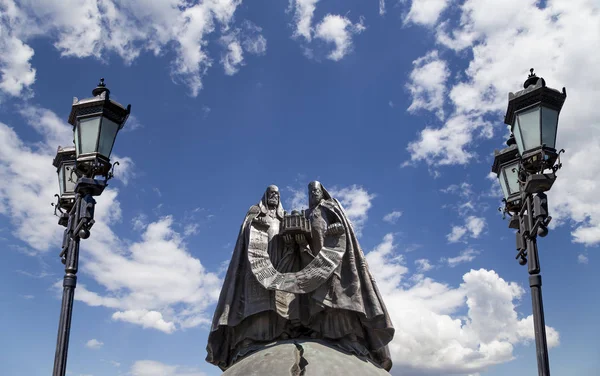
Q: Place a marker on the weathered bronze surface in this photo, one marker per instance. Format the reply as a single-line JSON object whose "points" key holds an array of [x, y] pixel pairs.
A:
{"points": [[301, 275]]}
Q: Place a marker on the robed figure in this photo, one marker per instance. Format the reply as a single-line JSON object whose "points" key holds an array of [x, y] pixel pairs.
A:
{"points": [[246, 312], [347, 309], [301, 275]]}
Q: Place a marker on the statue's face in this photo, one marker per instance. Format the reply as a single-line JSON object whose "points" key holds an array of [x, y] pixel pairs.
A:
{"points": [[315, 195], [272, 197]]}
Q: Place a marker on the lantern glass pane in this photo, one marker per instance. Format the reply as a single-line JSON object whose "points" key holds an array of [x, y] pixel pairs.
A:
{"points": [[76, 141], [108, 133], [61, 181], [70, 178], [517, 133], [549, 126], [88, 129], [511, 172], [503, 185], [529, 125]]}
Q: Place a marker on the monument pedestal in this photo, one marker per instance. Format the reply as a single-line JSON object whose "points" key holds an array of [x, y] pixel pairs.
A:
{"points": [[303, 357]]}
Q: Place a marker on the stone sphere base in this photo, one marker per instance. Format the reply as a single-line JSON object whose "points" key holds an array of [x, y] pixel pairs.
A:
{"points": [[303, 358]]}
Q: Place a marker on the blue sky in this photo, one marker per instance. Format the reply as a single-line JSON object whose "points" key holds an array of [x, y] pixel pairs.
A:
{"points": [[395, 106]]}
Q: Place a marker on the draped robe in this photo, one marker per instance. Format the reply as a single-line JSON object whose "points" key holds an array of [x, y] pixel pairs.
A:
{"points": [[246, 311], [349, 303]]}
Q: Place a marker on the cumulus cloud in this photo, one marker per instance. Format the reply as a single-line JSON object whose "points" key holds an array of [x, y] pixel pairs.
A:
{"points": [[433, 335], [145, 318], [582, 259], [561, 32], [356, 202], [152, 281], [427, 84], [96, 29], [473, 227], [465, 256], [154, 368], [94, 344], [303, 15], [423, 265], [333, 29], [392, 217], [426, 12], [299, 199], [338, 30], [239, 40], [233, 58]]}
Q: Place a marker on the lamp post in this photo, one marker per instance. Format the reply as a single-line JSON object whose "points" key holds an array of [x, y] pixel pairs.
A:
{"points": [[83, 172], [526, 169]]}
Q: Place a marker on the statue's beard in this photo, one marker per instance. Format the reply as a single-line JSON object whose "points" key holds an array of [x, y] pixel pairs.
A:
{"points": [[314, 201], [273, 202]]}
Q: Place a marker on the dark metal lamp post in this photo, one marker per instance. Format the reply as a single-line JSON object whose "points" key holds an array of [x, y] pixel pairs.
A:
{"points": [[526, 169], [83, 172]]}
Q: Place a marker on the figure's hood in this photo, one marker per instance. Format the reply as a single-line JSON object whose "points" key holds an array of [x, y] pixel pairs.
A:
{"points": [[264, 207]]}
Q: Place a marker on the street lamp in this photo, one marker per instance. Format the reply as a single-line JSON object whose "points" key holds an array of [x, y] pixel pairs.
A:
{"points": [[65, 168], [83, 172], [526, 169], [506, 168], [533, 116]]}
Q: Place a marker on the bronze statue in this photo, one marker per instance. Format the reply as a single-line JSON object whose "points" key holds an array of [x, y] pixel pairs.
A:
{"points": [[301, 275], [247, 312]]}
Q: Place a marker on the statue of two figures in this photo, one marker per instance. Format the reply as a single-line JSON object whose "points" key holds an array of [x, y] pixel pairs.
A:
{"points": [[301, 275]]}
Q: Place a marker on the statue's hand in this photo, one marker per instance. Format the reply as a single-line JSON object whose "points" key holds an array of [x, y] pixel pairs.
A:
{"points": [[301, 240], [261, 221], [288, 239], [335, 229]]}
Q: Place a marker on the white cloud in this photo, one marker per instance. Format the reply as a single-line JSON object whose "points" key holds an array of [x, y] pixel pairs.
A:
{"points": [[381, 7], [94, 344], [446, 145], [91, 28], [502, 45], [432, 335], [333, 28], [144, 280], [247, 38], [423, 265], [190, 229], [456, 234], [338, 30], [145, 318], [252, 39], [356, 202], [387, 263], [426, 12], [463, 189], [582, 259], [465, 256], [298, 201], [16, 71], [303, 15], [393, 216], [139, 222], [154, 368], [473, 227], [233, 58], [427, 84]]}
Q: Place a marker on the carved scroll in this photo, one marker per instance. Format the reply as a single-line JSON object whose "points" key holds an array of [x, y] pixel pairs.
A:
{"points": [[303, 281]]}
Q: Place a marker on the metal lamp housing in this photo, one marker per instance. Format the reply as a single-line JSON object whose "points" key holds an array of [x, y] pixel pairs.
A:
{"points": [[96, 122], [67, 179], [506, 168], [533, 116]]}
